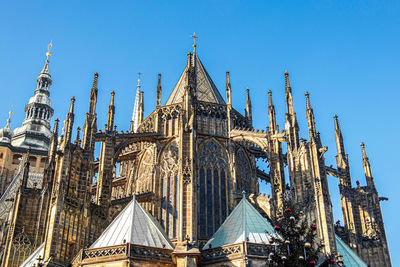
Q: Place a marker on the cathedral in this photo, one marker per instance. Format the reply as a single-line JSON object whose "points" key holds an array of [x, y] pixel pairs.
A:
{"points": [[180, 187]]}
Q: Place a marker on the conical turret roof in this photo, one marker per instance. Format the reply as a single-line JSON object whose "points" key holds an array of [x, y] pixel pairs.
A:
{"points": [[136, 226], [245, 223], [205, 87]]}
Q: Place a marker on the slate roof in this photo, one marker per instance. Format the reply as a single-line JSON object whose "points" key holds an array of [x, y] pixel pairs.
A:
{"points": [[245, 223], [205, 87], [349, 257], [136, 226]]}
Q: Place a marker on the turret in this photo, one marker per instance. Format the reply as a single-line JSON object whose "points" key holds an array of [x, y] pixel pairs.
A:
{"points": [[35, 131], [228, 90], [367, 168], [110, 114], [158, 102], [248, 111]]}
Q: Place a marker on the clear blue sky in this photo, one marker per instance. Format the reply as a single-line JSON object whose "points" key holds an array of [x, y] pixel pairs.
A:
{"points": [[345, 53]]}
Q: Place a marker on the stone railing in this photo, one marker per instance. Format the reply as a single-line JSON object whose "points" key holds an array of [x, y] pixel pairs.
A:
{"points": [[124, 250], [235, 251]]}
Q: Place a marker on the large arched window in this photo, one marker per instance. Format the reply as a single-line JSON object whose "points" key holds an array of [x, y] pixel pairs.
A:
{"points": [[145, 171], [169, 189], [213, 187], [243, 171]]}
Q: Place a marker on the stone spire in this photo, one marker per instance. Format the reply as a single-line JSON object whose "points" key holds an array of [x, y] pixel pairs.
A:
{"points": [[271, 114], [35, 131], [291, 125], [141, 108], [110, 114], [248, 110], [341, 158], [228, 89], [367, 168], [90, 125], [158, 103], [311, 119], [135, 112], [69, 124]]}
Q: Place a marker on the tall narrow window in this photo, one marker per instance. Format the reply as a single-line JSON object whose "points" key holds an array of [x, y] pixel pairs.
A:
{"points": [[213, 189], [169, 190]]}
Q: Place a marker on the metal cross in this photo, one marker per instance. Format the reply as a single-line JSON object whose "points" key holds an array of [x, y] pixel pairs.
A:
{"points": [[194, 39]]}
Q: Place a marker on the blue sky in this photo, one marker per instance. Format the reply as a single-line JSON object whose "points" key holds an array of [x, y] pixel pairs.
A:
{"points": [[345, 53]]}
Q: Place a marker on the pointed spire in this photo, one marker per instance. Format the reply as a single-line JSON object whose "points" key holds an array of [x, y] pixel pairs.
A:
{"points": [[54, 141], [158, 103], [310, 119], [111, 113], [69, 122], [367, 168], [141, 109], [93, 95], [78, 139], [288, 94], [25, 172], [135, 112], [271, 114], [341, 158], [44, 79], [339, 138], [228, 89], [248, 110]]}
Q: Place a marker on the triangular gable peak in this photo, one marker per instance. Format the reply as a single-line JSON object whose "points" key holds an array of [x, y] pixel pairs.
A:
{"points": [[245, 223], [136, 226], [205, 88]]}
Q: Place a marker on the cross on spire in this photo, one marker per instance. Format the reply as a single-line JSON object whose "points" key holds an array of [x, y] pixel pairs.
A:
{"points": [[48, 54], [194, 40]]}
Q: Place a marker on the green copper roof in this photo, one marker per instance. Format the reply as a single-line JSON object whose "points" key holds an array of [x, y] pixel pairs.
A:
{"points": [[349, 257], [136, 226], [205, 88], [245, 223]]}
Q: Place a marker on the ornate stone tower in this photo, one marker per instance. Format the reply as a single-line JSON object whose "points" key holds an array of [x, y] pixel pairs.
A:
{"points": [[35, 131]]}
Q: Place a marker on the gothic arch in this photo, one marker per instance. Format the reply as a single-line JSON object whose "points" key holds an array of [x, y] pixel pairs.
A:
{"points": [[243, 170], [144, 172], [213, 186]]}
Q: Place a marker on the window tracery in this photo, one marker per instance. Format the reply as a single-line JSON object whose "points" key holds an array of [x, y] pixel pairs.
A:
{"points": [[145, 171], [243, 171], [213, 187], [169, 189]]}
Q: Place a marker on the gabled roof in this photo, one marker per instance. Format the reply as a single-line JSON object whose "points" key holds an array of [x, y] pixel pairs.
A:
{"points": [[349, 257], [245, 223], [205, 87], [32, 260], [136, 226]]}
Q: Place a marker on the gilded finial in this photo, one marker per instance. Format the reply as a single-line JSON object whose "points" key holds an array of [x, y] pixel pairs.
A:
{"points": [[48, 54], [9, 117], [139, 74]]}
